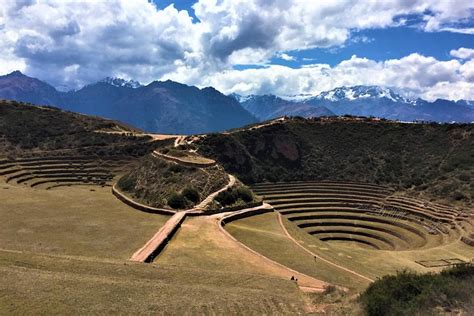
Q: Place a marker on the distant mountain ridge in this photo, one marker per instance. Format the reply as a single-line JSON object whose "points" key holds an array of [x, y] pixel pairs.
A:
{"points": [[119, 82], [164, 107], [359, 101], [266, 107], [175, 108], [385, 103]]}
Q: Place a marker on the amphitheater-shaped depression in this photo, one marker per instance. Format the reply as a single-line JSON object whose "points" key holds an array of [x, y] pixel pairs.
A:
{"points": [[366, 215]]}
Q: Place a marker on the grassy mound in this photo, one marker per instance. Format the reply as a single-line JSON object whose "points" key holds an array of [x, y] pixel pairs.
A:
{"points": [[433, 159], [159, 183], [409, 293], [33, 130]]}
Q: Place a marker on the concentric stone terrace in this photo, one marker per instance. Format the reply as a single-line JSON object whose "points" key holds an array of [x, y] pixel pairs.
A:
{"points": [[50, 172], [370, 216]]}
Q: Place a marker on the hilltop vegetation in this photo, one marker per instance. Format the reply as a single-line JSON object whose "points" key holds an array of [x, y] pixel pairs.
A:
{"points": [[26, 129], [160, 183], [435, 159], [421, 294]]}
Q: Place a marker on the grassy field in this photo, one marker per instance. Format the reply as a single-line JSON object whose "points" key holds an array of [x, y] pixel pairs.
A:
{"points": [[200, 244], [79, 221], [37, 284], [264, 234], [65, 251]]}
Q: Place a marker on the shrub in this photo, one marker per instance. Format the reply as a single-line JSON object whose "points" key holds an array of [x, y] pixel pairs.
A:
{"points": [[232, 195], [226, 197], [175, 168], [245, 194], [410, 293], [126, 183], [177, 201], [191, 194], [458, 196]]}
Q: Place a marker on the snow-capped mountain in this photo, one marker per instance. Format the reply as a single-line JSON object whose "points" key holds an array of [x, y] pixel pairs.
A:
{"points": [[266, 107], [119, 82], [360, 100], [385, 103], [359, 92], [298, 97]]}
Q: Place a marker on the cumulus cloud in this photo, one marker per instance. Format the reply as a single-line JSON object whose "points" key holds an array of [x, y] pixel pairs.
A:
{"points": [[71, 43], [413, 76], [94, 39], [462, 53], [286, 57]]}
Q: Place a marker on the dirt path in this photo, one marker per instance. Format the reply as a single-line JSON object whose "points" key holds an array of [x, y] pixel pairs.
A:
{"points": [[204, 203], [179, 140], [280, 219], [160, 238], [232, 245]]}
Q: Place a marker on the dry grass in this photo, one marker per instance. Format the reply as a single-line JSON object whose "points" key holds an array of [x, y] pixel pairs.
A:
{"points": [[263, 233], [65, 251], [37, 284], [82, 221]]}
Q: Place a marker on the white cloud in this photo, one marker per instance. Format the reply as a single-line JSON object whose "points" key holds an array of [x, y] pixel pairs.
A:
{"points": [[97, 38], [462, 53], [413, 76], [76, 42], [286, 57]]}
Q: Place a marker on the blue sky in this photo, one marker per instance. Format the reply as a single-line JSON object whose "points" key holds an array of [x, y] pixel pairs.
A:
{"points": [[420, 48], [376, 44]]}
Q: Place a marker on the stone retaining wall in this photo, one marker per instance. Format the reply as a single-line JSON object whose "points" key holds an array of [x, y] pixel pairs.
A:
{"points": [[239, 215], [184, 162], [142, 207], [234, 208]]}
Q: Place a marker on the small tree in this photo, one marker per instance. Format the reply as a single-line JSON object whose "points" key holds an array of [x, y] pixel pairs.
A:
{"points": [[191, 194], [245, 194], [177, 201]]}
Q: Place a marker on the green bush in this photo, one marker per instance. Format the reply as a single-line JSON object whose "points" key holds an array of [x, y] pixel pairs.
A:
{"points": [[233, 195], [409, 293], [458, 196], [191, 194], [227, 197], [245, 194], [126, 183], [177, 201]]}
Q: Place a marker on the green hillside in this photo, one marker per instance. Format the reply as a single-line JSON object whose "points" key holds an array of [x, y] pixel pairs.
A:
{"points": [[434, 159], [26, 129]]}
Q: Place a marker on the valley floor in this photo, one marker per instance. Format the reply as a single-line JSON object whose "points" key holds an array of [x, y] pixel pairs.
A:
{"points": [[66, 250], [264, 234]]}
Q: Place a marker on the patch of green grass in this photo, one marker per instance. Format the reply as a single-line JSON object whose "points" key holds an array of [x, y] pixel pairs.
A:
{"points": [[408, 293]]}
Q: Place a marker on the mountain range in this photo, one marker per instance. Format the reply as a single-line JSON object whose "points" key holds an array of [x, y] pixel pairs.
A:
{"points": [[385, 103], [161, 106], [266, 107], [359, 101], [175, 108]]}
